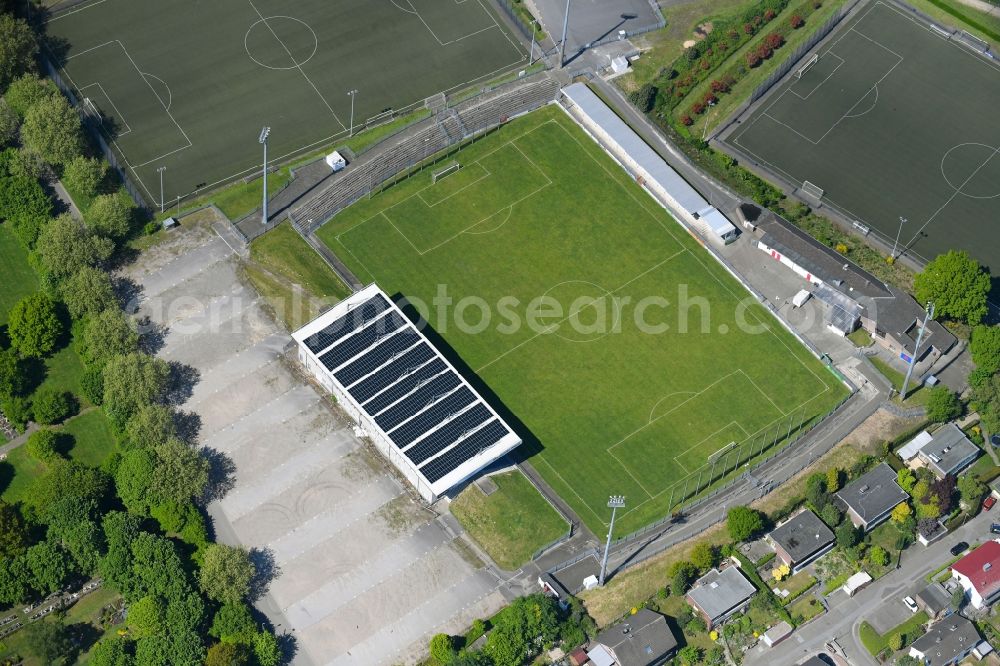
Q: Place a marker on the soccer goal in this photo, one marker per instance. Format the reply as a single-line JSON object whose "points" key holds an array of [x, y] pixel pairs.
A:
{"points": [[441, 173], [814, 191], [804, 67]]}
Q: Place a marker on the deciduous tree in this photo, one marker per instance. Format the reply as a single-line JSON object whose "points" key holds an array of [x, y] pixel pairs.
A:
{"points": [[9, 123], [13, 532], [50, 566], [34, 325], [18, 49], [943, 405], [703, 556], [66, 245], [25, 91], [132, 381], [84, 174], [88, 292], [985, 348], [110, 214], [107, 334], [956, 284], [43, 445], [51, 406], [181, 473], [226, 573], [49, 641], [51, 129], [13, 379], [743, 523]]}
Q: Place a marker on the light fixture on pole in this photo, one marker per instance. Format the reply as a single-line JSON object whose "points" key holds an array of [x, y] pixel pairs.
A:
{"points": [[264, 133], [160, 171], [562, 48], [531, 51], [928, 315], [615, 502], [902, 221], [352, 93]]}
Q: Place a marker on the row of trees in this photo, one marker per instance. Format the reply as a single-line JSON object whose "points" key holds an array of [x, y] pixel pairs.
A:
{"points": [[138, 520]]}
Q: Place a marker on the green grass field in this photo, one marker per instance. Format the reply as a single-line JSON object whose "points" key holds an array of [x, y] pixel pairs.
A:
{"points": [[93, 441], [838, 127], [189, 86], [19, 279], [510, 524], [578, 270]]}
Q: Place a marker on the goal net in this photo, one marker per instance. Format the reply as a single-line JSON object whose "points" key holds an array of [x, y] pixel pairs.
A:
{"points": [[815, 191], [804, 67], [441, 173]]}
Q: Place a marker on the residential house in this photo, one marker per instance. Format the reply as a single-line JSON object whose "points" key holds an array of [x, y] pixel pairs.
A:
{"points": [[946, 451], [949, 642], [870, 499], [934, 600], [801, 539], [720, 594], [643, 639], [979, 574]]}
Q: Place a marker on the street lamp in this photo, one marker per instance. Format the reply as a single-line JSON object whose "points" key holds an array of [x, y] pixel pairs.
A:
{"points": [[264, 133], [902, 221], [615, 502], [352, 93], [160, 170]]}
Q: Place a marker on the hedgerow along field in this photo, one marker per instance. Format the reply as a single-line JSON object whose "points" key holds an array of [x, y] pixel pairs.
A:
{"points": [[188, 86], [537, 209]]}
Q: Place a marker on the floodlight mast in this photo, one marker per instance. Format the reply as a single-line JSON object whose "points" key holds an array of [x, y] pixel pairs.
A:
{"points": [[163, 204], [562, 48], [352, 93], [615, 502], [262, 139], [928, 314]]}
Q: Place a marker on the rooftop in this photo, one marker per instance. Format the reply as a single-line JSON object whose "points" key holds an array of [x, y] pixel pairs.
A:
{"points": [[946, 640], [982, 568], [718, 592], [640, 639], [947, 449], [802, 535], [874, 493], [934, 597]]}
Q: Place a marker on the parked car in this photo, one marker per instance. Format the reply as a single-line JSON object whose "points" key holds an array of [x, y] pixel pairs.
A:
{"points": [[995, 528], [989, 502], [959, 548], [911, 604]]}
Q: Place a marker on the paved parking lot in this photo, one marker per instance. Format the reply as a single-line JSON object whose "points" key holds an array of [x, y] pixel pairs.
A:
{"points": [[367, 575]]}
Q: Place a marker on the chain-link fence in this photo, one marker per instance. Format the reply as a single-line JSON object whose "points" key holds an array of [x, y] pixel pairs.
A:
{"points": [[425, 143]]}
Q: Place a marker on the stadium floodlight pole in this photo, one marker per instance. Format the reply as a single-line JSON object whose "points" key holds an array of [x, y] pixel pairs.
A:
{"points": [[928, 314], [352, 93], [615, 502], [902, 221], [562, 48], [531, 51], [264, 133], [163, 204]]}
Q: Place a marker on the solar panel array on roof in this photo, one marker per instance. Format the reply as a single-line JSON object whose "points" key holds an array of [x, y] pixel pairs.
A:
{"points": [[404, 392], [355, 319]]}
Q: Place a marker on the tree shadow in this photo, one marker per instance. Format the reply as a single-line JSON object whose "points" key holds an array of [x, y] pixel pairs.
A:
{"points": [[64, 443], [180, 385], [6, 475], [267, 570], [128, 292], [33, 370], [152, 336], [289, 647], [221, 474], [84, 635], [187, 425]]}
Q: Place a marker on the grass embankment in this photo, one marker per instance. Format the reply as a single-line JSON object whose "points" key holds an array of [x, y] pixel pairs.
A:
{"points": [[292, 277], [511, 523], [954, 13], [18, 279], [909, 631]]}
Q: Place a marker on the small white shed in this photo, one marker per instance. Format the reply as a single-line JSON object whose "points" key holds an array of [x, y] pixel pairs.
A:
{"points": [[336, 161], [619, 64], [800, 298]]}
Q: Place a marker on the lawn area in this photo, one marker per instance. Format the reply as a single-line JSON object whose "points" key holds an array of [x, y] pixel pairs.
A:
{"points": [[63, 371], [805, 609], [17, 473], [910, 631], [795, 585], [292, 277], [611, 388], [510, 524], [19, 280], [860, 337], [92, 438]]}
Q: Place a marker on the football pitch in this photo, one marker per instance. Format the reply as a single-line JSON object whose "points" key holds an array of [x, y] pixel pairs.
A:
{"points": [[616, 346], [894, 120], [186, 86]]}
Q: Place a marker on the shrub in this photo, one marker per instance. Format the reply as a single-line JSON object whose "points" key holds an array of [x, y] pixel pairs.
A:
{"points": [[769, 14], [52, 406], [34, 326], [797, 21], [17, 410], [765, 51], [733, 34], [43, 445], [775, 40], [753, 58], [710, 99], [720, 85], [705, 64], [687, 120], [150, 227], [92, 384], [643, 98], [698, 108]]}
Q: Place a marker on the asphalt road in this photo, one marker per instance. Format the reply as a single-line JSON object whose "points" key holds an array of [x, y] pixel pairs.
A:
{"points": [[847, 613]]}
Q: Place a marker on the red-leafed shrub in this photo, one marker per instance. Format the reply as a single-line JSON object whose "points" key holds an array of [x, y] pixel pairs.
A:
{"points": [[732, 34], [705, 64], [708, 52], [769, 14], [687, 120], [719, 86], [764, 51], [753, 59], [679, 94], [796, 21], [774, 40], [748, 28], [698, 108], [757, 20], [722, 46], [710, 98]]}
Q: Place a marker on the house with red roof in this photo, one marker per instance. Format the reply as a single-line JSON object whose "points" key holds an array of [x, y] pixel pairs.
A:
{"points": [[979, 574]]}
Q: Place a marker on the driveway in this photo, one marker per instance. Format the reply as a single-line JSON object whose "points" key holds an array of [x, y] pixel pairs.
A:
{"points": [[364, 573]]}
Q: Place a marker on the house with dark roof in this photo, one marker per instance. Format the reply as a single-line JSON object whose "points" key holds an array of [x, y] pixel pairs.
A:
{"points": [[979, 574], [853, 296], [949, 642], [934, 600], [643, 639], [801, 540], [869, 499], [718, 595], [947, 451]]}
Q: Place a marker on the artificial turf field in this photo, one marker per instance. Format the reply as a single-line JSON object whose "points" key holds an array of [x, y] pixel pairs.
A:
{"points": [[188, 85], [893, 120], [538, 209]]}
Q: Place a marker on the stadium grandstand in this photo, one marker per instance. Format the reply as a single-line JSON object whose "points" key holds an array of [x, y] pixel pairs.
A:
{"points": [[401, 391]]}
